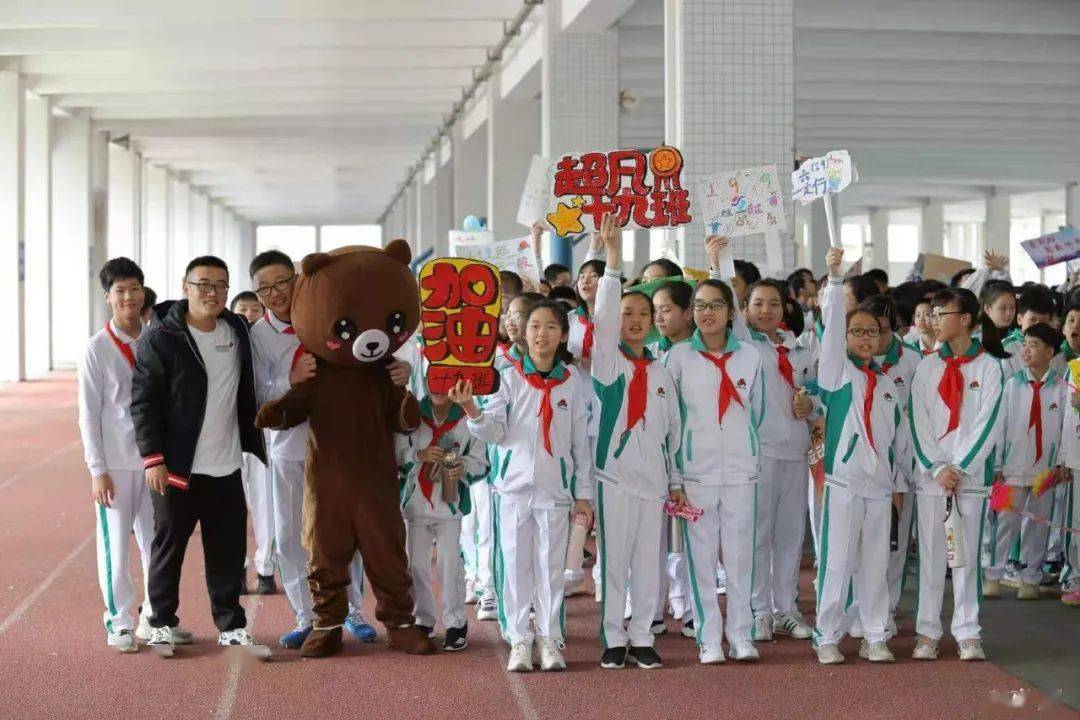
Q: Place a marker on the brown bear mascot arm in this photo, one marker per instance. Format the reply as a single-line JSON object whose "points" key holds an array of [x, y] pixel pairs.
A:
{"points": [[403, 411], [289, 410]]}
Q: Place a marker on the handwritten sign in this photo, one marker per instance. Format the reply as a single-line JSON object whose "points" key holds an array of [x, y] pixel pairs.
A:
{"points": [[818, 176], [536, 196], [742, 202], [517, 255], [641, 190], [459, 320], [470, 237], [1053, 248]]}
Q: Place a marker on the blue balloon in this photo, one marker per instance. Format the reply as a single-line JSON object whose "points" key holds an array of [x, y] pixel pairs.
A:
{"points": [[472, 224]]}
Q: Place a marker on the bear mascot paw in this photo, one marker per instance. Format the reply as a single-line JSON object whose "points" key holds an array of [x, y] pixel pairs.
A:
{"points": [[352, 309]]}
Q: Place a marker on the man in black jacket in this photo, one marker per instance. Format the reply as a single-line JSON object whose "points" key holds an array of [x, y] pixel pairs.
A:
{"points": [[193, 405]]}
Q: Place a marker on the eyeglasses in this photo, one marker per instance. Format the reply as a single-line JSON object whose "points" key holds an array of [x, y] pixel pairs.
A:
{"points": [[715, 305], [206, 287], [937, 314], [860, 333], [265, 290]]}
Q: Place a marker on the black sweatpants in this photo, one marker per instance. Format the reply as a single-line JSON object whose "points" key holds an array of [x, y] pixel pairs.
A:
{"points": [[218, 505]]}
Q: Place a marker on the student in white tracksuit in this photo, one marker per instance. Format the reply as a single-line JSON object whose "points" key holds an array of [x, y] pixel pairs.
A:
{"points": [[538, 420], [281, 362], [1070, 457], [122, 498], [433, 517], [1032, 412], [785, 441], [719, 382], [638, 432], [862, 411], [955, 422]]}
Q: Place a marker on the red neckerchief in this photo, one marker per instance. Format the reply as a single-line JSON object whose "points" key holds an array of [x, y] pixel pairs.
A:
{"points": [[951, 388], [1035, 417], [437, 431], [544, 385], [300, 349], [587, 340], [784, 365], [868, 401], [638, 394], [122, 346], [727, 388]]}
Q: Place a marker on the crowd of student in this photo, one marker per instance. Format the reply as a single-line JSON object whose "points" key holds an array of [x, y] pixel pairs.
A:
{"points": [[679, 419]]}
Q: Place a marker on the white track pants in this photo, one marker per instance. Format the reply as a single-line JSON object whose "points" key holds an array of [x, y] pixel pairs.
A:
{"points": [[1004, 527], [1072, 540], [530, 558], [446, 534], [630, 529], [781, 529], [814, 500], [258, 490], [728, 521], [854, 534], [1055, 548], [898, 558], [966, 581], [477, 541], [131, 511]]}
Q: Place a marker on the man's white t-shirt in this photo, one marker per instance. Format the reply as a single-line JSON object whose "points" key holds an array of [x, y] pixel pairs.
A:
{"points": [[217, 451]]}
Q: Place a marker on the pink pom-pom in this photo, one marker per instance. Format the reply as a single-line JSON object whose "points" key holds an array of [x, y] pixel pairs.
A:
{"points": [[1001, 497]]}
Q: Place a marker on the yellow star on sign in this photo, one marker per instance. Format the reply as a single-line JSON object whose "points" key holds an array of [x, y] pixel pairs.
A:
{"points": [[565, 220]]}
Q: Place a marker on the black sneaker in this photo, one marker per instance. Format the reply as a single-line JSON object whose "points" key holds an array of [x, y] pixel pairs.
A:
{"points": [[456, 639], [645, 657], [659, 627], [688, 628], [613, 658], [265, 585], [429, 631]]}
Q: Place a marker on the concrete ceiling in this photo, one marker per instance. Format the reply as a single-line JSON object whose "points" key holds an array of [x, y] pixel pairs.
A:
{"points": [[313, 110]]}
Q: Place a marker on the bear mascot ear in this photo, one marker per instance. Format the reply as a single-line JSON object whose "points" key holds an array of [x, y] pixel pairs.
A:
{"points": [[400, 251], [314, 262]]}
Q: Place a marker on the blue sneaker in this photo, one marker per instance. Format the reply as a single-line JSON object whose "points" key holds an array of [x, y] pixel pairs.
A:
{"points": [[359, 629], [293, 640]]}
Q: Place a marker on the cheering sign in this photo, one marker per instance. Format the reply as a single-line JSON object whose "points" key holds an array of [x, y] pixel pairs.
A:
{"points": [[830, 173], [460, 303], [587, 186], [742, 202]]}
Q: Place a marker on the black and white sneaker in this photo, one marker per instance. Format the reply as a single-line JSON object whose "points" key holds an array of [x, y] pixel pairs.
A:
{"points": [[614, 658], [644, 657], [265, 585], [688, 628], [659, 627], [456, 639], [429, 631]]}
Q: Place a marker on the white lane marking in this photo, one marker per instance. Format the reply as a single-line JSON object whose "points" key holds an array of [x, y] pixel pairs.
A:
{"points": [[227, 700], [30, 599], [43, 461]]}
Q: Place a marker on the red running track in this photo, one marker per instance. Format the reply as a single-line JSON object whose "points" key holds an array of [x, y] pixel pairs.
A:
{"points": [[56, 664]]}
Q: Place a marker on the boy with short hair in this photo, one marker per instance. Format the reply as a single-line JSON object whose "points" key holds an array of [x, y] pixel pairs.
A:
{"points": [[1033, 306], [246, 304], [1033, 408]]}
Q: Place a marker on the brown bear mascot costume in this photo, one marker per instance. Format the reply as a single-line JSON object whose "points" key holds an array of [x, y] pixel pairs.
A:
{"points": [[352, 308]]}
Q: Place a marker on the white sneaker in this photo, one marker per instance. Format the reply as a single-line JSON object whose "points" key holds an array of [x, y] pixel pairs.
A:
{"points": [[487, 610], [240, 636], [161, 636], [744, 651], [856, 630], [1026, 591], [180, 636], [676, 606], [123, 641], [470, 592], [688, 629], [762, 630], [574, 584], [711, 655], [829, 655], [520, 658], [550, 650], [792, 625], [971, 650], [876, 652], [925, 648], [991, 588]]}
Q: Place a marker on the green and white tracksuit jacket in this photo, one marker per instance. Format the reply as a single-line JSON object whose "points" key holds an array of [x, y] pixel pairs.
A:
{"points": [[1029, 448], [853, 461], [899, 363]]}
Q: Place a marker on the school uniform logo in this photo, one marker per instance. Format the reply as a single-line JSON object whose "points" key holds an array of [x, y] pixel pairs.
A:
{"points": [[661, 392], [1053, 406], [900, 381], [562, 404], [974, 385], [741, 384], [889, 397]]}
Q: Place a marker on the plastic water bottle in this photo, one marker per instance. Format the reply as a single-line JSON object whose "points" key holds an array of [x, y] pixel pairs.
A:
{"points": [[954, 534]]}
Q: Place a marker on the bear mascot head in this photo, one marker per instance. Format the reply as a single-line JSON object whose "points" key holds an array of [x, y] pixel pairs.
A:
{"points": [[356, 305]]}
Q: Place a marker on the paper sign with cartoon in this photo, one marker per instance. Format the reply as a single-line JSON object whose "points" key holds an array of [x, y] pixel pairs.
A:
{"points": [[460, 304], [742, 202], [642, 191], [830, 173], [517, 255]]}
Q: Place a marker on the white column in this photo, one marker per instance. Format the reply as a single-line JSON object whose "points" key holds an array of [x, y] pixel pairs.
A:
{"points": [[123, 240], [155, 240], [70, 251], [879, 239], [12, 200], [247, 253], [932, 227], [998, 223], [641, 252], [37, 237], [180, 226], [199, 225], [426, 192], [99, 225], [444, 198], [1072, 204], [513, 132], [469, 163], [730, 68], [218, 242]]}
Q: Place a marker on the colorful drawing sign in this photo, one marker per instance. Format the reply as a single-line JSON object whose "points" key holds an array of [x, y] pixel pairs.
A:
{"points": [[642, 191], [1053, 248], [516, 255], [742, 202], [830, 173], [460, 303]]}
